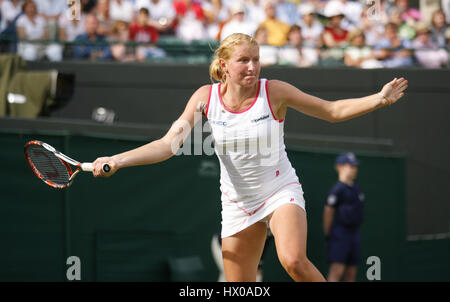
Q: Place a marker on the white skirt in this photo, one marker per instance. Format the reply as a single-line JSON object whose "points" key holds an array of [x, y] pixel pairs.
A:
{"points": [[238, 215]]}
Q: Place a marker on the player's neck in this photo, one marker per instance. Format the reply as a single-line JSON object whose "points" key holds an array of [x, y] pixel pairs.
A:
{"points": [[235, 95]]}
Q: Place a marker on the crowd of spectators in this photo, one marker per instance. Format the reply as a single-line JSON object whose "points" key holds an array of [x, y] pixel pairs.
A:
{"points": [[357, 33]]}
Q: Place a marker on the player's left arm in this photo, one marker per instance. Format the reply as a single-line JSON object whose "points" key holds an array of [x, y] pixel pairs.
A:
{"points": [[284, 95]]}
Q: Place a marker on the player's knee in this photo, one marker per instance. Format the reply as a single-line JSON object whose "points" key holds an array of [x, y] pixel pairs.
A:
{"points": [[295, 264]]}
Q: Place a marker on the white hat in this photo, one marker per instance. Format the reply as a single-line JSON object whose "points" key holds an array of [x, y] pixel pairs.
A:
{"points": [[237, 7], [333, 8], [306, 9]]}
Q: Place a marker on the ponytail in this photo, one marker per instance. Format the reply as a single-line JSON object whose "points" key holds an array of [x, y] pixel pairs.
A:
{"points": [[215, 71]]}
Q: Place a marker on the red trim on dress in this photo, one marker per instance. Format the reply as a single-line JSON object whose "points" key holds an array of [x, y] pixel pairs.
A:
{"points": [[209, 99], [256, 210], [270, 106], [237, 112]]}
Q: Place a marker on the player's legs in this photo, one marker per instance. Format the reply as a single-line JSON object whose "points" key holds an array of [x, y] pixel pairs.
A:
{"points": [[350, 273], [336, 271], [289, 228], [241, 253]]}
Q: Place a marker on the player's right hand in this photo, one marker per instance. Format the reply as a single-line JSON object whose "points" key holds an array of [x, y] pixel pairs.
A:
{"points": [[98, 166]]}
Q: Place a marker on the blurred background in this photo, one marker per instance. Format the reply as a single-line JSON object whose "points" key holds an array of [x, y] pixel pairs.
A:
{"points": [[98, 77]]}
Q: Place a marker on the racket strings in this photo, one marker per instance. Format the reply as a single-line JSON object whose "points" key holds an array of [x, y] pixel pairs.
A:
{"points": [[48, 165]]}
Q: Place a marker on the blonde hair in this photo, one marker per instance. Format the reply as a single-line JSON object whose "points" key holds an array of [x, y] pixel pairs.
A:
{"points": [[224, 51]]}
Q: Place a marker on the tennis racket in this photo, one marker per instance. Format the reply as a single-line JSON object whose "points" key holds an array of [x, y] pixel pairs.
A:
{"points": [[52, 166]]}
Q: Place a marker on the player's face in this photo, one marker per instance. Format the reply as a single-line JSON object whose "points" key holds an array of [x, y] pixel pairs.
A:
{"points": [[244, 66]]}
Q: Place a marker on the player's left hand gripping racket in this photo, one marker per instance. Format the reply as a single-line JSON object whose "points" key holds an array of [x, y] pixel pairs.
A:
{"points": [[52, 166]]}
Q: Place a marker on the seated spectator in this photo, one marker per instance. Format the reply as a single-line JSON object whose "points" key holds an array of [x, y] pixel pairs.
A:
{"points": [[286, 12], [69, 28], [254, 11], [426, 52], [294, 53], [358, 54], [9, 10], [119, 39], [216, 14], [393, 51], [405, 30], [141, 32], [32, 27], [427, 8], [268, 54], [162, 14], [410, 15], [334, 35], [121, 10], [91, 45], [377, 11], [237, 24], [191, 20], [438, 28], [311, 28], [276, 30], [351, 11], [373, 31], [105, 22], [51, 10]]}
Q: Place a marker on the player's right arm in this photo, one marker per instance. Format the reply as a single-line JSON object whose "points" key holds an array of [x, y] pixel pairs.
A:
{"points": [[161, 149]]}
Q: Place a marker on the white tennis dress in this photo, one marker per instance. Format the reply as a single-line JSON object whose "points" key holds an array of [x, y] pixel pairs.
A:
{"points": [[256, 176]]}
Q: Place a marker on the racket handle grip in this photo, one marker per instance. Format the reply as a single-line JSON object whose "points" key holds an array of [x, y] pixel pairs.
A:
{"points": [[88, 167]]}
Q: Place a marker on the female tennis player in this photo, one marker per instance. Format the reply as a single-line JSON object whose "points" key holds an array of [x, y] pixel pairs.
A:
{"points": [[257, 192]]}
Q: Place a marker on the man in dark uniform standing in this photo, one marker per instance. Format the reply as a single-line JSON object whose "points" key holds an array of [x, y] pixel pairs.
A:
{"points": [[342, 218]]}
